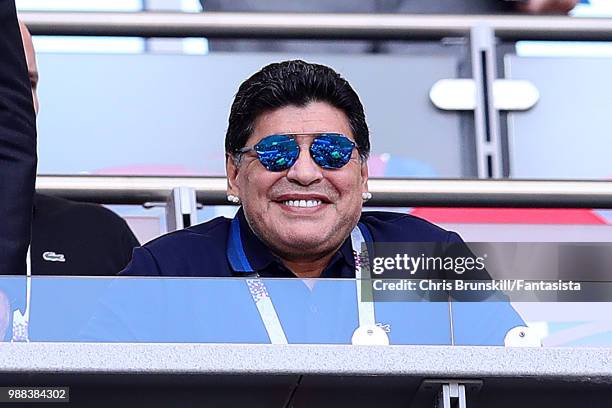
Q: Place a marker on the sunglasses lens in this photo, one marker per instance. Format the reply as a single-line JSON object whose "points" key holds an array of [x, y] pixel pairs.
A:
{"points": [[331, 151], [277, 152]]}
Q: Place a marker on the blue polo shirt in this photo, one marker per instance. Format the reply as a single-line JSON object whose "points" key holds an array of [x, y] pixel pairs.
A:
{"points": [[222, 310], [214, 248]]}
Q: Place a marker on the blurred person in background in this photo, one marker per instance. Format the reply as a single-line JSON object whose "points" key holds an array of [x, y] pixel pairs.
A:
{"points": [[17, 159], [365, 7], [17, 146], [68, 238], [72, 238]]}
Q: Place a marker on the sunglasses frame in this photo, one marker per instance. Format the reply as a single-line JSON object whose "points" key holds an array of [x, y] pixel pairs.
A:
{"points": [[245, 149]]}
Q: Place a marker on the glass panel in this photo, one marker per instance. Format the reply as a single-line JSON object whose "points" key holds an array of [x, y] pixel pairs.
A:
{"points": [[550, 294], [209, 311]]}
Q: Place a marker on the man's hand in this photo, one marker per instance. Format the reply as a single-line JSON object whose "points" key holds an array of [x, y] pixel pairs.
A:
{"points": [[547, 6]]}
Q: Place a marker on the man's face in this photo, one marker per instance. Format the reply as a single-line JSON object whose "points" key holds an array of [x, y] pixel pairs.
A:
{"points": [[300, 233], [30, 54]]}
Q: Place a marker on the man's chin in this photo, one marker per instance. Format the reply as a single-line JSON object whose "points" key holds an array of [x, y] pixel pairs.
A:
{"points": [[305, 244]]}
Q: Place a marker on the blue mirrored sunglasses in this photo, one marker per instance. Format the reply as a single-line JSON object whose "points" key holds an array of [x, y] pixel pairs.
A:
{"points": [[280, 152]]}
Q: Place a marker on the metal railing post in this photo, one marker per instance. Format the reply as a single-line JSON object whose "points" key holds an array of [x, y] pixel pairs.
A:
{"points": [[486, 117], [181, 209], [452, 395]]}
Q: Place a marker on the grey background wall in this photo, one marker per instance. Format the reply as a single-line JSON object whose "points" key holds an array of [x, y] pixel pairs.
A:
{"points": [[168, 113], [568, 134]]}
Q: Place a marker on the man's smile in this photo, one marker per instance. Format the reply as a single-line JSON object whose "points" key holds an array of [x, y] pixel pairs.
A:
{"points": [[302, 203]]}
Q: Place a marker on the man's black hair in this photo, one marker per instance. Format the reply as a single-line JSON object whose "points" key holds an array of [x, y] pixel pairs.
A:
{"points": [[293, 83]]}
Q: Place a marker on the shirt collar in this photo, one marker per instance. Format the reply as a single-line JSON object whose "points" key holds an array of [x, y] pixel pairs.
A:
{"points": [[246, 253], [346, 250]]}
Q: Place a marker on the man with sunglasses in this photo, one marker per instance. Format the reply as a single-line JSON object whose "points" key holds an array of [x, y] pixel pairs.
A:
{"points": [[296, 158], [296, 147]]}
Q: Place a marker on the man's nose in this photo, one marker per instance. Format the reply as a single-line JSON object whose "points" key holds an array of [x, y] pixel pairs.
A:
{"points": [[305, 171]]}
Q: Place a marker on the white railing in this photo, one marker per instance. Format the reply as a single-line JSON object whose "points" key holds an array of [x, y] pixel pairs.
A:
{"points": [[316, 26], [386, 192]]}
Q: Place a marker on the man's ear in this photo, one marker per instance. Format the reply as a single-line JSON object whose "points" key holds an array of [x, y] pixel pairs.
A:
{"points": [[364, 176], [231, 170]]}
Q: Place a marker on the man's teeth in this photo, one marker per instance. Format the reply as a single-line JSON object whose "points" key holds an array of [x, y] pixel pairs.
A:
{"points": [[302, 203]]}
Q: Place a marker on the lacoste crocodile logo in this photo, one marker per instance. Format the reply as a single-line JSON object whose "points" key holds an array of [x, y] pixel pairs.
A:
{"points": [[53, 257]]}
